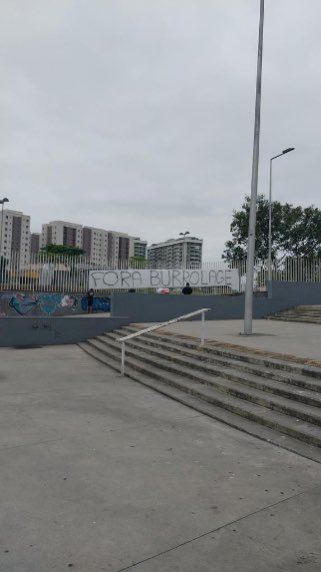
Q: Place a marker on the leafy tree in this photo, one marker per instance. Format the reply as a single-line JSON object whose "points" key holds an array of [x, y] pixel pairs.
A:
{"points": [[295, 231], [61, 250], [138, 262]]}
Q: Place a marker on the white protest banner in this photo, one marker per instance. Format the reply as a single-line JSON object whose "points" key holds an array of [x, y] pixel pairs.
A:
{"points": [[127, 279]]}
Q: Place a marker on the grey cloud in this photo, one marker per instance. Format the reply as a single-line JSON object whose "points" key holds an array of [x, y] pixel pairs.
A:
{"points": [[140, 111]]}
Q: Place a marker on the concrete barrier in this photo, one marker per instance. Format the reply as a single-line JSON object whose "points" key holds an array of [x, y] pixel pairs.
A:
{"points": [[39, 331]]}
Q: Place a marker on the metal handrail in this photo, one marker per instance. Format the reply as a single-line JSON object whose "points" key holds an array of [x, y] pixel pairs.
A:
{"points": [[157, 327]]}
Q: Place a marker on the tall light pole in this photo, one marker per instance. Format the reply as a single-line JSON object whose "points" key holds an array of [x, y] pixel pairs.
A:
{"points": [[2, 201], [270, 211], [248, 309], [184, 253]]}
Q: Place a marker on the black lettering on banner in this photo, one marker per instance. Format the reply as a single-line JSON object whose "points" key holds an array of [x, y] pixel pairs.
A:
{"points": [[154, 278], [212, 278], [165, 283], [96, 277], [105, 278], [185, 277], [124, 275], [137, 279], [203, 281], [220, 277], [177, 275], [228, 277], [194, 278]]}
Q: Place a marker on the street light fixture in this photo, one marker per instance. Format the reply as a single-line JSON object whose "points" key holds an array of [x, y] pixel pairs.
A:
{"points": [[184, 257], [2, 201], [288, 150]]}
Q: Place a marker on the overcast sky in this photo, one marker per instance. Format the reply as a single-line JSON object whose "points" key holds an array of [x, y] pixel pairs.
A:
{"points": [[138, 115]]}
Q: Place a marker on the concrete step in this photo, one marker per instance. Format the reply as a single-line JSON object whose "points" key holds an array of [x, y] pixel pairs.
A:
{"points": [[202, 363], [218, 413], [296, 319], [229, 353], [284, 405], [310, 314], [163, 380], [234, 369]]}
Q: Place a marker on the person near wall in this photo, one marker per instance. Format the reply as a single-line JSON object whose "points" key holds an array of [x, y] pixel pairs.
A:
{"points": [[187, 289], [90, 301]]}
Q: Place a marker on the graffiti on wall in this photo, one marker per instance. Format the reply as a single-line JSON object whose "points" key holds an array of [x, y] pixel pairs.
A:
{"points": [[48, 304], [101, 304]]}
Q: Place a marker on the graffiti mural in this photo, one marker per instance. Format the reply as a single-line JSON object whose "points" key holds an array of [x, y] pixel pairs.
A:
{"points": [[101, 304], [48, 304], [23, 304]]}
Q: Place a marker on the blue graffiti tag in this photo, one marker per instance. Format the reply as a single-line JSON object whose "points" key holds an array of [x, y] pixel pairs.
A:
{"points": [[101, 304]]}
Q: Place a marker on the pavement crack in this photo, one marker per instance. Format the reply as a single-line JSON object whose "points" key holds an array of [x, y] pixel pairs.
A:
{"points": [[213, 530]]}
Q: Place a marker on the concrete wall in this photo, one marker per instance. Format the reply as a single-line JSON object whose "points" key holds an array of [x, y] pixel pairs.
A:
{"points": [[48, 304], [296, 292], [158, 307], [126, 308], [35, 331]]}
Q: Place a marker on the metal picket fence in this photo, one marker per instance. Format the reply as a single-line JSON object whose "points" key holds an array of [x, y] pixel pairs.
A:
{"points": [[70, 274]]}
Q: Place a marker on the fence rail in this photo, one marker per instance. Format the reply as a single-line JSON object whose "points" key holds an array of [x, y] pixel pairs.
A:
{"points": [[71, 274]]}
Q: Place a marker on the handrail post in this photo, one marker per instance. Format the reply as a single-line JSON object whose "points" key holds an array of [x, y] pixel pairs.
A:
{"points": [[203, 329], [122, 369]]}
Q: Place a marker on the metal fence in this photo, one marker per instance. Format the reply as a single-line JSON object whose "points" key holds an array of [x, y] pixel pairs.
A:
{"points": [[70, 274]]}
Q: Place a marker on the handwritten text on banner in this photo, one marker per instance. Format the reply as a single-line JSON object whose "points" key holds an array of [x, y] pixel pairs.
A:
{"points": [[126, 279]]}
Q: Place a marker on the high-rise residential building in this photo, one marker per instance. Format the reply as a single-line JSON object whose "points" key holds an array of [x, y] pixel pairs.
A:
{"points": [[61, 232], [106, 246], [185, 252], [15, 235], [119, 247], [139, 248], [100, 245], [35, 243], [95, 244]]}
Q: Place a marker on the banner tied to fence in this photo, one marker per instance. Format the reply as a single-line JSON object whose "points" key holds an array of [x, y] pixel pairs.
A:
{"points": [[135, 279]]}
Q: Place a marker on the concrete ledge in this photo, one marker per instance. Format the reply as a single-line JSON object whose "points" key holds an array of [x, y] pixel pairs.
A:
{"points": [[40, 331], [159, 308]]}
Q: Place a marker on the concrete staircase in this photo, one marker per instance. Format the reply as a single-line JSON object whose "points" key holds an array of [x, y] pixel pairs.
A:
{"points": [[273, 399], [310, 314]]}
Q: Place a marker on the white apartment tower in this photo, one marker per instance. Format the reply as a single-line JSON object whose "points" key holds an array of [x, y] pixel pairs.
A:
{"points": [[95, 244], [15, 235], [61, 232], [183, 252], [102, 247]]}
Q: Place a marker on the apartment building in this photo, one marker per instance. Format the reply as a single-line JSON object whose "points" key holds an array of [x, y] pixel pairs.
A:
{"points": [[95, 244], [61, 232], [139, 248], [15, 235], [99, 245], [35, 243], [185, 252]]}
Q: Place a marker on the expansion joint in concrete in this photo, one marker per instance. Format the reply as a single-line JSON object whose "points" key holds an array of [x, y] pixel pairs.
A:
{"points": [[219, 528]]}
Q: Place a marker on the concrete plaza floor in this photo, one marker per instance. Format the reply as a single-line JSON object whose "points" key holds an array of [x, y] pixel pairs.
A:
{"points": [[287, 338], [99, 473]]}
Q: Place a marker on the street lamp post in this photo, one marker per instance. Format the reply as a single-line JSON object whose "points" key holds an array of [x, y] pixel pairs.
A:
{"points": [[184, 253], [2, 201], [248, 306], [270, 211]]}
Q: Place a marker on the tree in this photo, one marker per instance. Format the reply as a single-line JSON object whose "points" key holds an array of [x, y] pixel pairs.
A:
{"points": [[61, 250], [138, 262], [295, 231]]}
